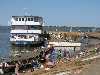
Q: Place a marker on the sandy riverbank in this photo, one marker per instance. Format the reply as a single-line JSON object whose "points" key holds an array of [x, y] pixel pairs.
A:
{"points": [[71, 34], [93, 69]]}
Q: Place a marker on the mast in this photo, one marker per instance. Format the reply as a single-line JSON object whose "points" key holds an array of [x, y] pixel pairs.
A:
{"points": [[25, 15], [26, 10]]}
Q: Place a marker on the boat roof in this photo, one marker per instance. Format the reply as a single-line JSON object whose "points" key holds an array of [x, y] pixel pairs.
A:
{"points": [[27, 16]]}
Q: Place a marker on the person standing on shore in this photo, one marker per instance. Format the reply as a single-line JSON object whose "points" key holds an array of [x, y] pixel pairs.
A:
{"points": [[16, 68], [1, 68], [32, 65], [65, 53], [88, 40], [79, 31], [98, 31], [82, 40], [75, 37]]}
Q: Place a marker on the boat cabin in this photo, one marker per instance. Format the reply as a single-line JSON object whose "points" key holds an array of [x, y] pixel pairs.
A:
{"points": [[26, 23], [27, 18]]}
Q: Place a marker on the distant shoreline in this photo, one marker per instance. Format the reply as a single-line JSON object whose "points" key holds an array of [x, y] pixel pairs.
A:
{"points": [[58, 26]]}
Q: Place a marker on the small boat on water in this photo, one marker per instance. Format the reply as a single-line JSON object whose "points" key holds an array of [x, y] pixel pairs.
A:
{"points": [[26, 30]]}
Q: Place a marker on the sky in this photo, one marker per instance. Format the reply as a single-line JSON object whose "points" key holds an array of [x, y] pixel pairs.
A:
{"points": [[83, 13]]}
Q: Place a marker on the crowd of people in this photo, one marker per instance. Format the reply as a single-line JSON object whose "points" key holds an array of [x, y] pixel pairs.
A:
{"points": [[39, 60], [44, 59]]}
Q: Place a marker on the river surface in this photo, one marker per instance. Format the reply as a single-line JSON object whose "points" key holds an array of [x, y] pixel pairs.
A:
{"points": [[6, 49]]}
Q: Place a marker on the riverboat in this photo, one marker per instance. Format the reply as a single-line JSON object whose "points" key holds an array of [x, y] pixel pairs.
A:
{"points": [[26, 30]]}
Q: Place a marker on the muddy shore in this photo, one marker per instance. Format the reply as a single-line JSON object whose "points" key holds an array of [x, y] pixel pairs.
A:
{"points": [[25, 55], [35, 53]]}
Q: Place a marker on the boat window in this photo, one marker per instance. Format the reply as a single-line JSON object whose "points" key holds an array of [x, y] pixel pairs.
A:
{"points": [[13, 27], [40, 28], [19, 19], [35, 27], [31, 19], [16, 19], [35, 19], [12, 36], [28, 27], [28, 19], [32, 26], [22, 19], [30, 36]]}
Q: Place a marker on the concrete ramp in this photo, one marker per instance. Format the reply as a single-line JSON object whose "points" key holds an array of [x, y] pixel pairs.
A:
{"points": [[64, 44]]}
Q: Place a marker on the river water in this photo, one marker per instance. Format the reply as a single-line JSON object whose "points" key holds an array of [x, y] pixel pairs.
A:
{"points": [[6, 48]]}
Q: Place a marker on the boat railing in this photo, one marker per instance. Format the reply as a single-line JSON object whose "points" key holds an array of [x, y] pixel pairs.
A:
{"points": [[25, 23], [24, 39], [26, 31]]}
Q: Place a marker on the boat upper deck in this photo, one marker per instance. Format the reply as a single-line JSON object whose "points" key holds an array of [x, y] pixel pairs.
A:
{"points": [[26, 20], [27, 16]]}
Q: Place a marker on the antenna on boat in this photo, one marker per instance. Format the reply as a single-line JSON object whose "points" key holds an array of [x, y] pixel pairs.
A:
{"points": [[71, 25], [26, 10]]}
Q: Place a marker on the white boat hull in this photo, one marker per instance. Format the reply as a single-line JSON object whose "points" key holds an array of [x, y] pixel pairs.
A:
{"points": [[28, 44], [35, 42]]}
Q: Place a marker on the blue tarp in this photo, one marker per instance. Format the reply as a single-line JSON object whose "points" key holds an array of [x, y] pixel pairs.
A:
{"points": [[54, 54], [94, 30]]}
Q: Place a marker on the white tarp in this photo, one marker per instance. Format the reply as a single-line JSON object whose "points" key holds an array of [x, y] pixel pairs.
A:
{"points": [[67, 73], [65, 44]]}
